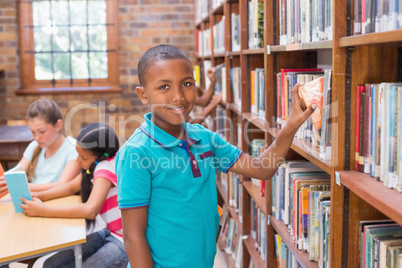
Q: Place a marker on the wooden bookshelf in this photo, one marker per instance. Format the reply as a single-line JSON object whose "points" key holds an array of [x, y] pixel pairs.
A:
{"points": [[255, 120], [249, 242], [372, 39], [369, 58], [305, 149], [301, 46], [374, 192], [255, 193], [301, 257]]}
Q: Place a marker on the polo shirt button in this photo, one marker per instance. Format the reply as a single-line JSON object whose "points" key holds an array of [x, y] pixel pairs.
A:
{"points": [[180, 144], [194, 162]]}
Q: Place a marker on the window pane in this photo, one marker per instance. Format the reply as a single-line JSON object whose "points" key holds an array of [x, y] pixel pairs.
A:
{"points": [[80, 65], [41, 13], [79, 38], [97, 38], [60, 38], [61, 65], [60, 12], [42, 38], [98, 64], [97, 12], [43, 66], [78, 12]]}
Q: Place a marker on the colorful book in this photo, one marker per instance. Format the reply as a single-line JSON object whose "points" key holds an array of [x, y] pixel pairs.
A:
{"points": [[312, 92]]}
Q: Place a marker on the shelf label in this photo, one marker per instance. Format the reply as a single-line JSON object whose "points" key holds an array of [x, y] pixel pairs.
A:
{"points": [[269, 220], [337, 178], [268, 49]]}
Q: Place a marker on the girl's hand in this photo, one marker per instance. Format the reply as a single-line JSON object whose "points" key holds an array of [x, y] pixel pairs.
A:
{"points": [[299, 112], [211, 74], [32, 208], [3, 186]]}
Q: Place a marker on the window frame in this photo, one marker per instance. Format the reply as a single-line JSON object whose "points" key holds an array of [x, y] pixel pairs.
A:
{"points": [[29, 85]]}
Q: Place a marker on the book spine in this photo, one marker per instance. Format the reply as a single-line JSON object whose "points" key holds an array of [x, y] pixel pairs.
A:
{"points": [[360, 89]]}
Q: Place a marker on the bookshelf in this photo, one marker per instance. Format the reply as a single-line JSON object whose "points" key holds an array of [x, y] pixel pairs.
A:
{"points": [[355, 196]]}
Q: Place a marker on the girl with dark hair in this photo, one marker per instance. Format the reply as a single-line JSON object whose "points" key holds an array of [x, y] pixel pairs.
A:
{"points": [[97, 145], [49, 160]]}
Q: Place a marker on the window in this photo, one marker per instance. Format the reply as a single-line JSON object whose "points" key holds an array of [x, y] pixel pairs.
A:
{"points": [[68, 46]]}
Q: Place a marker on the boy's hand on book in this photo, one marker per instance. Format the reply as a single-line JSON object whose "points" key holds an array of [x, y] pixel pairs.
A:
{"points": [[299, 112], [3, 186], [32, 208]]}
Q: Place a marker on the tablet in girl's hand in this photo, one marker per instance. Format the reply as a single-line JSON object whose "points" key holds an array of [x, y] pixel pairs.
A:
{"points": [[17, 184]]}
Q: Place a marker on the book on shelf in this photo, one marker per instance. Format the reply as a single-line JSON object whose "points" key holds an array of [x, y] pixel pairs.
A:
{"points": [[220, 77], [257, 92], [197, 75], [284, 255], [235, 78], [304, 21], [218, 31], [374, 16], [206, 65], [258, 231], [235, 27], [257, 148], [255, 24], [201, 10], [378, 129]]}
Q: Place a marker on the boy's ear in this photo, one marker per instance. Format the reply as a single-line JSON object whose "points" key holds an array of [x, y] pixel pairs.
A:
{"points": [[142, 95]]}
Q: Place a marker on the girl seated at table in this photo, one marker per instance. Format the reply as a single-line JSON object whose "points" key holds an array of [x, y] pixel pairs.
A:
{"points": [[51, 158], [97, 145]]}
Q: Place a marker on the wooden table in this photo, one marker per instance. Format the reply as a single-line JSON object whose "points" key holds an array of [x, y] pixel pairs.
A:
{"points": [[24, 237], [13, 142]]}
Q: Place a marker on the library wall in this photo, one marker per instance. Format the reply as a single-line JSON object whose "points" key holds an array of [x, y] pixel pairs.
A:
{"points": [[143, 24]]}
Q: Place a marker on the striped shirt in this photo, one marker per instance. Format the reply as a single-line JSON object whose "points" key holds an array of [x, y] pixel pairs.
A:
{"points": [[110, 211]]}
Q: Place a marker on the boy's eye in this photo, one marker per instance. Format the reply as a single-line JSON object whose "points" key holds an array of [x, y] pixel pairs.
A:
{"points": [[186, 84], [164, 87]]}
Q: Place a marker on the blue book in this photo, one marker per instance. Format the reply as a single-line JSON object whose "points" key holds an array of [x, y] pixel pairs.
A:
{"points": [[17, 184], [373, 129]]}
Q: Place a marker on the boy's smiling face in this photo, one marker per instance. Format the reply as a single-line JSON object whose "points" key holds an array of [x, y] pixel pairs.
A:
{"points": [[170, 91]]}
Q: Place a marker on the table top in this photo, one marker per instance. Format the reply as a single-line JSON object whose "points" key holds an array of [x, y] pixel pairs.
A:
{"points": [[23, 236], [15, 134]]}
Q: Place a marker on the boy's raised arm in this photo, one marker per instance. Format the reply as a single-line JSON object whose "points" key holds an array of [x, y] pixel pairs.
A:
{"points": [[264, 166], [134, 235]]}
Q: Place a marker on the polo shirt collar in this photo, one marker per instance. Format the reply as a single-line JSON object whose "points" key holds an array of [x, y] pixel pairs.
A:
{"points": [[165, 139]]}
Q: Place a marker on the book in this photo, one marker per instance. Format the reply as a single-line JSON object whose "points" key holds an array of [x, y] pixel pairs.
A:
{"points": [[312, 92], [17, 184], [1, 174]]}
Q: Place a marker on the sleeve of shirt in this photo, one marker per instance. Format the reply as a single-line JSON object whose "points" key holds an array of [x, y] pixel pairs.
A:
{"points": [[30, 150], [225, 154], [133, 178]]}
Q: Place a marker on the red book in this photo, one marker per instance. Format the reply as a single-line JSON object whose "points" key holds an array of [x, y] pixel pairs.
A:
{"points": [[1, 174], [313, 92], [284, 90], [360, 88]]}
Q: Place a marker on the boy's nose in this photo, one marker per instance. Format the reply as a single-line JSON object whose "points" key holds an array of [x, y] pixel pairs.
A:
{"points": [[177, 95]]}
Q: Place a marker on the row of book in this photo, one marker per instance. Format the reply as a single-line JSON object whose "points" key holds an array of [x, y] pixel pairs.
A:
{"points": [[380, 244], [235, 192], [220, 121], [317, 130], [284, 256], [235, 82], [236, 30], [220, 77], [305, 21], [301, 199], [218, 31], [257, 147], [231, 235], [257, 92], [203, 43], [258, 230], [374, 16], [201, 10], [379, 132], [255, 24]]}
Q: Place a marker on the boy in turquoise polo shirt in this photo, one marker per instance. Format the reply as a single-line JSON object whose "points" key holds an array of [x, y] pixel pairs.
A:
{"points": [[166, 170]]}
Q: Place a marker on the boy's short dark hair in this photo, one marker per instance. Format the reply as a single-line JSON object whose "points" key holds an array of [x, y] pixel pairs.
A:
{"points": [[158, 53]]}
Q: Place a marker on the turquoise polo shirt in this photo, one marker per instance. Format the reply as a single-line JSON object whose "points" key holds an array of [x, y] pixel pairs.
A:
{"points": [[176, 179]]}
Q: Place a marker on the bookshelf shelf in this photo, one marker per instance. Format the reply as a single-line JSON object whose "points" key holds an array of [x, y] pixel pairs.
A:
{"points": [[249, 242], [374, 192], [302, 46], [254, 192], [220, 55], [218, 10], [234, 53], [371, 39], [253, 51], [233, 107], [255, 120], [301, 257], [307, 152]]}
